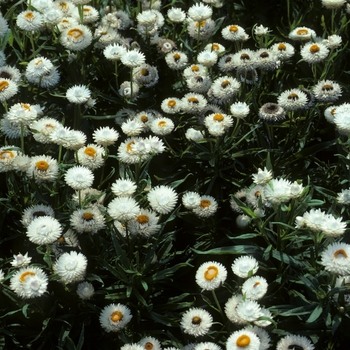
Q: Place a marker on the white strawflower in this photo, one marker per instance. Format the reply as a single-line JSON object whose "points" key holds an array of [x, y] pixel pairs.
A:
{"points": [[91, 156], [262, 177], [42, 169], [207, 207], [199, 12], [78, 94], [245, 266], [211, 275], [196, 322], [294, 341], [132, 58], [162, 199], [248, 310], [191, 200], [79, 177], [21, 260], [336, 258], [176, 15], [30, 20], [71, 267], [85, 290], [123, 208], [123, 187], [76, 38], [44, 230], [115, 317], [105, 136], [254, 287], [243, 339]]}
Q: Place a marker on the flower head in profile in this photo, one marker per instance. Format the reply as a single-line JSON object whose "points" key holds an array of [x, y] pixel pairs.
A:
{"points": [[244, 266], [71, 267], [115, 317], [105, 136], [150, 343], [294, 342], [21, 260], [8, 89], [196, 322], [271, 112], [199, 12], [132, 58], [211, 275], [162, 199], [79, 177], [78, 94], [30, 21], [85, 290], [262, 177], [176, 15], [302, 34], [255, 287]]}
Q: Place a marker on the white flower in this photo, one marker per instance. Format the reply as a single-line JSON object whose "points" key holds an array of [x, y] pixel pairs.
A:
{"points": [[132, 58], [176, 60], [283, 50], [76, 38], [314, 52], [144, 224], [333, 41], [20, 260], [43, 169], [231, 309], [44, 230], [162, 126], [105, 136], [176, 15], [87, 220], [261, 30], [196, 322], [207, 207], [248, 310], [8, 89], [150, 343], [292, 100], [333, 4], [211, 275], [243, 339], [239, 109], [199, 12], [336, 258], [171, 105], [2, 276], [302, 34], [242, 220], [115, 317], [327, 91], [85, 290], [91, 156], [343, 197], [123, 209], [207, 58], [29, 20], [277, 191], [294, 342], [194, 135], [123, 187], [263, 322], [114, 52], [71, 267], [43, 128], [244, 266], [3, 26], [262, 177], [132, 127], [262, 335], [78, 94], [234, 33], [79, 177], [22, 113], [191, 200], [254, 287], [162, 199]]}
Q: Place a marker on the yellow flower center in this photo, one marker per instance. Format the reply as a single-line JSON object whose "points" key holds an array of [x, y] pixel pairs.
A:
{"points": [[24, 275], [215, 47], [293, 96], [211, 273], [205, 203], [87, 216], [86, 10], [256, 284], [42, 165], [302, 32], [281, 47], [196, 320], [233, 28], [162, 123], [243, 341], [245, 56], [176, 56], [144, 119], [61, 240], [129, 146], [90, 151], [340, 252], [3, 85], [116, 316], [63, 6], [194, 68], [144, 72], [257, 194], [76, 33], [148, 346], [104, 32], [29, 16], [200, 24], [6, 155], [25, 106], [38, 62], [171, 103], [327, 87], [142, 219], [193, 100], [314, 48], [225, 83], [333, 111], [218, 117]]}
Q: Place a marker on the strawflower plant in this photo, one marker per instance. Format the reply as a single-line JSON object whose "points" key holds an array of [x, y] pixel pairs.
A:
{"points": [[175, 174]]}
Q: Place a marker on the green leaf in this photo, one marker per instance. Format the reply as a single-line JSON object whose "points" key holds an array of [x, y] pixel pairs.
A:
{"points": [[237, 249], [315, 314]]}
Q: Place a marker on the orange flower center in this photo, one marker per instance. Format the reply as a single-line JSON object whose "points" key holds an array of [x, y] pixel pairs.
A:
{"points": [[200, 24], [90, 151], [148, 346], [243, 341], [205, 203], [257, 194], [176, 56], [327, 87], [196, 320], [314, 48], [3, 85], [144, 118], [116, 316], [195, 68], [293, 96], [162, 123], [144, 72], [76, 33], [218, 117], [211, 273], [25, 106], [340, 252], [171, 103], [42, 165], [24, 275], [302, 32], [233, 28], [215, 47], [333, 111], [6, 155], [62, 6], [282, 47], [142, 219], [29, 16], [129, 146], [87, 216], [225, 84], [245, 56], [193, 100], [256, 284]]}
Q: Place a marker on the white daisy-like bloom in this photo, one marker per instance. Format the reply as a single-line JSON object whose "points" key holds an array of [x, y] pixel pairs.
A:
{"points": [[146, 75], [176, 60], [302, 34], [255, 196], [114, 52], [162, 126], [332, 227], [294, 342], [147, 17], [105, 136], [196, 322], [254, 287], [191, 200], [243, 220], [52, 16], [132, 127], [243, 339], [199, 12], [76, 38], [224, 120], [8, 154], [333, 41], [277, 191], [327, 91], [68, 138], [115, 317], [123, 208], [12, 129], [283, 50], [266, 59], [8, 89], [85, 290], [262, 177], [162, 199], [312, 219], [79, 177], [234, 32], [30, 20], [333, 4], [171, 105], [43, 169], [262, 335], [48, 80], [343, 197], [231, 309], [87, 220], [341, 119], [150, 343], [78, 94], [224, 88], [91, 156], [123, 187], [260, 30], [144, 224], [22, 113], [336, 258], [195, 70], [126, 92], [245, 266], [21, 260], [11, 73], [207, 346], [211, 275], [3, 26], [248, 310], [41, 5], [90, 197], [215, 47], [71, 267], [194, 135], [131, 346], [20, 163], [199, 83], [239, 110], [44, 230], [133, 58], [90, 14], [129, 151], [225, 63], [29, 282], [67, 22], [292, 100], [176, 15], [207, 207], [314, 52], [193, 103], [207, 58]]}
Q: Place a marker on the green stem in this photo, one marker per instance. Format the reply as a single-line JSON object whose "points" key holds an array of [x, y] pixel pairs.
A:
{"points": [[22, 137], [81, 13], [218, 305], [116, 74], [131, 87]]}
